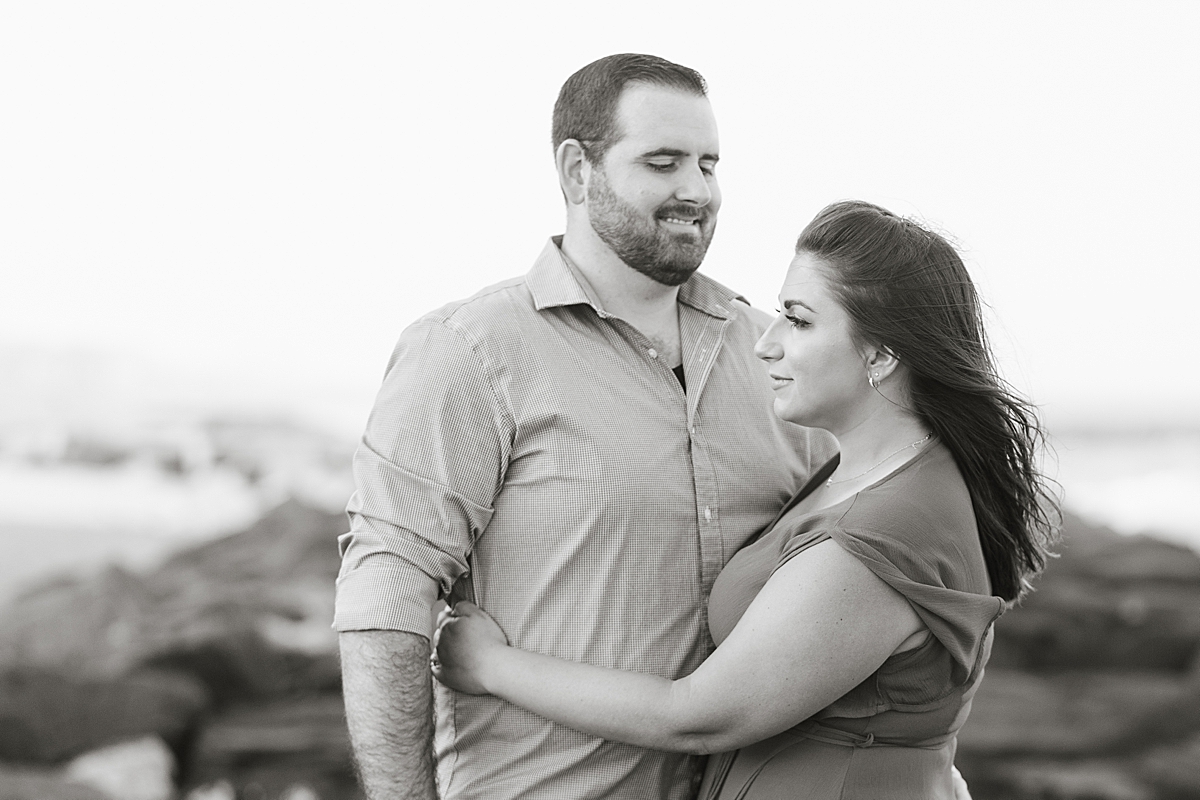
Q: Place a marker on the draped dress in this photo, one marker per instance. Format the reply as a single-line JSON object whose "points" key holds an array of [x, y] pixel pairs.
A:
{"points": [[894, 735]]}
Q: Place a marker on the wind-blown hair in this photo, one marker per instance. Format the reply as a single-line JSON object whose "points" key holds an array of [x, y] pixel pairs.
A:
{"points": [[905, 289], [586, 108]]}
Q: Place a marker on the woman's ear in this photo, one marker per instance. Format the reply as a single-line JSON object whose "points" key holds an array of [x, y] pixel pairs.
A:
{"points": [[881, 363], [573, 170]]}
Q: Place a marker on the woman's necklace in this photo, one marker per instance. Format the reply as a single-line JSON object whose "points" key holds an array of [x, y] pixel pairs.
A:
{"points": [[914, 445]]}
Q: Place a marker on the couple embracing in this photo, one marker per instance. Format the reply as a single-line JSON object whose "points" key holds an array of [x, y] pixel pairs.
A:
{"points": [[687, 549]]}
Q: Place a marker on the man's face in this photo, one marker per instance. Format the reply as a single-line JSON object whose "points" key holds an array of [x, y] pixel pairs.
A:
{"points": [[654, 198]]}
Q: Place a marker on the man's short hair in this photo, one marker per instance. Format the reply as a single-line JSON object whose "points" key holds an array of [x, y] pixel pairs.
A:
{"points": [[586, 108]]}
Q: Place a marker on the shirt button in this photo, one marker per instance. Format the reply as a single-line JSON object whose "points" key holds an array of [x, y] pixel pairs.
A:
{"points": [[653, 353], [707, 514]]}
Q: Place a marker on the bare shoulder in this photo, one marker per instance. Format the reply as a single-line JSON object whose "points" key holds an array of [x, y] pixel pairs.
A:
{"points": [[835, 588]]}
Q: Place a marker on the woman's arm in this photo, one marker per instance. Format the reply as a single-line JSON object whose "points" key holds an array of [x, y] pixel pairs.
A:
{"points": [[821, 625]]}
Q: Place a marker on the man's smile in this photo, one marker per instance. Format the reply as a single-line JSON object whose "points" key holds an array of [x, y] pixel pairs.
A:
{"points": [[692, 225]]}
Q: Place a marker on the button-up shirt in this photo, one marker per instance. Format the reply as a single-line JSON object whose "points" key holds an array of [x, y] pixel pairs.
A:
{"points": [[533, 453]]}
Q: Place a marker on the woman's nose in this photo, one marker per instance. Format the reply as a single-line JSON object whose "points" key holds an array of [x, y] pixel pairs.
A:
{"points": [[766, 347]]}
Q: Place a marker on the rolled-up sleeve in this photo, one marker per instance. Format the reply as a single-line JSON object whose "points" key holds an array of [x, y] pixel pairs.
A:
{"points": [[426, 475]]}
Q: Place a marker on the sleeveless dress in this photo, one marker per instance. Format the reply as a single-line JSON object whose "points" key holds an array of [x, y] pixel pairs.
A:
{"points": [[893, 735]]}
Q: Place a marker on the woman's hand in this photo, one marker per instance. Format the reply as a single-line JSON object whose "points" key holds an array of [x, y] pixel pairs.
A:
{"points": [[465, 643]]}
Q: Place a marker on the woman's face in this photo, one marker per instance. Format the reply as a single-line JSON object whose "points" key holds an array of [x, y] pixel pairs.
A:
{"points": [[820, 378]]}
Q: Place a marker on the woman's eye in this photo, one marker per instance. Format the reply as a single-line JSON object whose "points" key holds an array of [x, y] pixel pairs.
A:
{"points": [[794, 322], [660, 167]]}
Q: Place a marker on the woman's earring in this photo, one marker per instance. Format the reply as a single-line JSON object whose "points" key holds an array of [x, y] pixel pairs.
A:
{"points": [[873, 380]]}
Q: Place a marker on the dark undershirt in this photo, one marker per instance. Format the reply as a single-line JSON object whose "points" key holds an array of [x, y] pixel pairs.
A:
{"points": [[679, 374]]}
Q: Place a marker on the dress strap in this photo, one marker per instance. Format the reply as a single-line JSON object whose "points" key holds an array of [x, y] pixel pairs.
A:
{"points": [[741, 768], [811, 729]]}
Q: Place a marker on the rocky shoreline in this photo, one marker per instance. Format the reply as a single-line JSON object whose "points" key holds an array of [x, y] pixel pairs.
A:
{"points": [[215, 677]]}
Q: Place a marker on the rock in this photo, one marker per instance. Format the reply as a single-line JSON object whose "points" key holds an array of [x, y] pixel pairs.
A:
{"points": [[83, 628], [1108, 602], [136, 770], [295, 748], [25, 783], [46, 718], [86, 663], [299, 791], [217, 790], [225, 653], [1093, 689], [1174, 769], [248, 614], [1079, 714], [1053, 780]]}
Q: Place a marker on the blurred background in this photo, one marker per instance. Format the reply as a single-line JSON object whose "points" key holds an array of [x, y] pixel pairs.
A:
{"points": [[215, 220]]}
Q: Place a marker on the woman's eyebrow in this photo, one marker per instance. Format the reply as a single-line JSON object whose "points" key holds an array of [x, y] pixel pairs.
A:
{"points": [[789, 303]]}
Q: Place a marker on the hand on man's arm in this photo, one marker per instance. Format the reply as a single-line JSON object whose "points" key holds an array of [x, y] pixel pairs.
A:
{"points": [[961, 792], [389, 708]]}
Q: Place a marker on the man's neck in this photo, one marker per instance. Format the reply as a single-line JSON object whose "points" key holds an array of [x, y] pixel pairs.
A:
{"points": [[624, 292]]}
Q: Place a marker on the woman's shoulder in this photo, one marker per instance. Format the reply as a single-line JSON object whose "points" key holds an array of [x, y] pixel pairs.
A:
{"points": [[924, 505], [918, 524], [917, 532]]}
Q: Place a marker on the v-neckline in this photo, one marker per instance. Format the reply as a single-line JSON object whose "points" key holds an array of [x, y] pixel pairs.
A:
{"points": [[804, 491], [823, 474]]}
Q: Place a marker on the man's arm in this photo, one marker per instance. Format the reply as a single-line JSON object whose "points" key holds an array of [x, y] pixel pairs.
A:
{"points": [[426, 475], [389, 709]]}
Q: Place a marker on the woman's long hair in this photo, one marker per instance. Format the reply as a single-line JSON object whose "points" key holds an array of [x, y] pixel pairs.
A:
{"points": [[906, 289]]}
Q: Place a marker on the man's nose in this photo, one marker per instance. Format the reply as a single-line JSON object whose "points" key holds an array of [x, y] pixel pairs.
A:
{"points": [[694, 187]]}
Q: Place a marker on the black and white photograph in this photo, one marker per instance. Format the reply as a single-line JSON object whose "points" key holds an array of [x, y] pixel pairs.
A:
{"points": [[629, 400]]}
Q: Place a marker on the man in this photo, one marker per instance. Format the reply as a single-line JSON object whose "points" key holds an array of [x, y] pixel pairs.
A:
{"points": [[579, 450]]}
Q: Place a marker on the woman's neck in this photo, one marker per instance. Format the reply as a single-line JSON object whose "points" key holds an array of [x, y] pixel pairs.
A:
{"points": [[874, 448]]}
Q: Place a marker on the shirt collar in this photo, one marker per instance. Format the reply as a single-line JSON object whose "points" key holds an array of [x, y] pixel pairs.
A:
{"points": [[555, 281]]}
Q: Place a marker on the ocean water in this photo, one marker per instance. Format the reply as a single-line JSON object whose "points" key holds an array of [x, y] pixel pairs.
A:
{"points": [[76, 497], [1133, 481], [133, 497]]}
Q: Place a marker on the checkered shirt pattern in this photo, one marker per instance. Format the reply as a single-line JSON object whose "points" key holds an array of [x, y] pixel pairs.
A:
{"points": [[533, 453]]}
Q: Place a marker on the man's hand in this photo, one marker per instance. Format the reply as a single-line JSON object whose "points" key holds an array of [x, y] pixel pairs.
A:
{"points": [[389, 709], [466, 642]]}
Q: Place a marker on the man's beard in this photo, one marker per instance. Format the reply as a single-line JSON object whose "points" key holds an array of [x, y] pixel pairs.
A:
{"points": [[641, 242]]}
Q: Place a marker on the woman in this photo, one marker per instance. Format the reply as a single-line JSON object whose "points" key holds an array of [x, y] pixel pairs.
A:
{"points": [[853, 632]]}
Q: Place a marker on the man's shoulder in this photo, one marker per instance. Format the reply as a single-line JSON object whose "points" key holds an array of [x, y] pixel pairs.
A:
{"points": [[495, 307], [756, 318], [466, 334], [739, 309]]}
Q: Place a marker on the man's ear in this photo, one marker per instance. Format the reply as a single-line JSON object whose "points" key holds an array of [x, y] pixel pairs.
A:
{"points": [[573, 170]]}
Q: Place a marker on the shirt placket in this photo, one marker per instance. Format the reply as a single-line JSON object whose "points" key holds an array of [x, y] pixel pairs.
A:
{"points": [[638, 341], [698, 365]]}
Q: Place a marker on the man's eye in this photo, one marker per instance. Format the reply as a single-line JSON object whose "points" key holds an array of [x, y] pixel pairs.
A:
{"points": [[661, 167]]}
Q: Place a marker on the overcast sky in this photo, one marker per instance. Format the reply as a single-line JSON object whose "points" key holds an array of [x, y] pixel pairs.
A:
{"points": [[262, 195]]}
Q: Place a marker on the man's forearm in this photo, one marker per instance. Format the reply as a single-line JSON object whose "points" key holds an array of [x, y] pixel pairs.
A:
{"points": [[389, 709]]}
